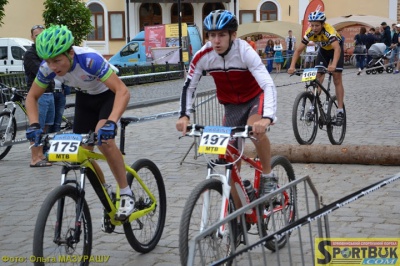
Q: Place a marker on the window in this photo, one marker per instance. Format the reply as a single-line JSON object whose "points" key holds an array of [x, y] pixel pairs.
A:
{"points": [[187, 13], [3, 52], [117, 25], [247, 16], [150, 14], [268, 11], [130, 49], [97, 20], [17, 52]]}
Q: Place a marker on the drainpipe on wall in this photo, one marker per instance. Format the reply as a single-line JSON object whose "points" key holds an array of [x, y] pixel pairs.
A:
{"points": [[127, 22]]}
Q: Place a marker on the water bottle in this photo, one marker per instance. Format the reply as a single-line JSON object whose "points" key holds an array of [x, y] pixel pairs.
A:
{"points": [[249, 189]]}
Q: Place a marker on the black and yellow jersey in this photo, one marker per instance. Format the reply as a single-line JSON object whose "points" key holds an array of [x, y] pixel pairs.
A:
{"points": [[324, 39]]}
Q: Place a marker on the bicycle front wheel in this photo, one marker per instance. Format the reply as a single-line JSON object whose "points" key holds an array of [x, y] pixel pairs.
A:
{"points": [[57, 233], [304, 118], [336, 133], [6, 133], [144, 233], [202, 210], [281, 209]]}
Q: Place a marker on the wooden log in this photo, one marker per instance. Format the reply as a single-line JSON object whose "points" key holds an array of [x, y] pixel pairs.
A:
{"points": [[334, 154]]}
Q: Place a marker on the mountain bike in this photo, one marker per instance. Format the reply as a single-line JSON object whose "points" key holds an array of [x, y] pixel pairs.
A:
{"points": [[212, 199], [64, 223], [309, 112], [8, 120]]}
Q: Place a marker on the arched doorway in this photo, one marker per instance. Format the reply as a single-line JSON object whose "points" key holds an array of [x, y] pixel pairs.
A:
{"points": [[207, 8], [187, 13], [150, 14]]}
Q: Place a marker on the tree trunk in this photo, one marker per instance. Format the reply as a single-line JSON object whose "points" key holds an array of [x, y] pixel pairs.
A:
{"points": [[350, 154]]}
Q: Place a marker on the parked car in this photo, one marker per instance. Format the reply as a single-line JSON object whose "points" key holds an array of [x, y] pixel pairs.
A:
{"points": [[12, 51]]}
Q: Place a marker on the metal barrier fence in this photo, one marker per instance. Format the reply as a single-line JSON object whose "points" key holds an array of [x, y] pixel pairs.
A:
{"points": [[206, 111], [300, 249]]}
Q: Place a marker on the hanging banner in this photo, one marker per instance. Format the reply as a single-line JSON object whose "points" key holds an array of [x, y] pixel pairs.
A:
{"points": [[154, 37], [314, 5], [159, 38]]}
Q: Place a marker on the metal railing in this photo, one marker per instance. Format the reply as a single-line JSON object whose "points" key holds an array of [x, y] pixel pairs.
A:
{"points": [[206, 111], [299, 250]]}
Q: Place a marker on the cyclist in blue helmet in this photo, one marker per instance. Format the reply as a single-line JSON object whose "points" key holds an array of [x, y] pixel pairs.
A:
{"points": [[243, 84], [330, 54]]}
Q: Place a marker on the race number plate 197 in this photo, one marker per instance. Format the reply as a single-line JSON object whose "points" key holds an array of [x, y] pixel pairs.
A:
{"points": [[214, 140], [64, 148], [309, 74]]}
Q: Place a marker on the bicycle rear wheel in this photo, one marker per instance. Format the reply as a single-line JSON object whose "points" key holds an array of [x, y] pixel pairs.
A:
{"points": [[5, 117], [305, 123], [336, 133], [202, 209], [144, 233], [282, 208], [56, 232]]}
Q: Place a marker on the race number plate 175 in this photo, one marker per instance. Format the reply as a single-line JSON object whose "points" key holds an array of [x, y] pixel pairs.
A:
{"points": [[214, 140], [309, 74], [64, 148]]}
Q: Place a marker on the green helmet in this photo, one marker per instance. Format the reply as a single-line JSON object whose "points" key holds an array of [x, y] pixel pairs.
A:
{"points": [[54, 41]]}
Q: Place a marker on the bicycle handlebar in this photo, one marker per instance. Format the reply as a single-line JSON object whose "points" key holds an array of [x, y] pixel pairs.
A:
{"points": [[89, 139]]}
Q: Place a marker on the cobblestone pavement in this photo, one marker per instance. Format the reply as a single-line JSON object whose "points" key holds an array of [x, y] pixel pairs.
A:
{"points": [[373, 119]]}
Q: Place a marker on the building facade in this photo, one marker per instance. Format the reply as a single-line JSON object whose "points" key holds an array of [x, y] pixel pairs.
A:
{"points": [[117, 21]]}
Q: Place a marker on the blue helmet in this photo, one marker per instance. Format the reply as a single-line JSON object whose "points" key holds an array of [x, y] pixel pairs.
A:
{"points": [[317, 16], [220, 20]]}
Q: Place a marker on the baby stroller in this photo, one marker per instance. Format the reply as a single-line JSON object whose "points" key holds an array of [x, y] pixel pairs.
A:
{"points": [[377, 63]]}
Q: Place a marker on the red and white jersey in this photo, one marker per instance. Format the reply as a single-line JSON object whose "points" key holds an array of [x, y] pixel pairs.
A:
{"points": [[239, 76]]}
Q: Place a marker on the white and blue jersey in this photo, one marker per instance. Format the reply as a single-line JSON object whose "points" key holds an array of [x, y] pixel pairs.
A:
{"points": [[88, 72]]}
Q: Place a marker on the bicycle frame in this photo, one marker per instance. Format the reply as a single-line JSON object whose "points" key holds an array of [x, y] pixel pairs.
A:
{"points": [[12, 115], [232, 175], [84, 164], [316, 86]]}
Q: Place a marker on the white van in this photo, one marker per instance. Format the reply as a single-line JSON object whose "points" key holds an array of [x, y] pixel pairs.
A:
{"points": [[12, 52]]}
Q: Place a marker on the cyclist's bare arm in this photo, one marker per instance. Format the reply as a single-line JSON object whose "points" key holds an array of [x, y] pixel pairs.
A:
{"points": [[122, 96], [31, 102], [296, 55]]}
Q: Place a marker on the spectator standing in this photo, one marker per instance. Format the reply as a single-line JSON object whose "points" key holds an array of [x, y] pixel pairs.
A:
{"points": [[278, 57], [395, 51], [361, 39], [290, 46], [371, 39], [386, 35], [309, 58], [46, 101], [394, 30], [59, 105], [251, 42], [269, 51], [378, 35], [397, 70]]}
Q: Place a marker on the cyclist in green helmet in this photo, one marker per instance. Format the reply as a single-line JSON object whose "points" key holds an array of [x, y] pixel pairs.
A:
{"points": [[99, 103]]}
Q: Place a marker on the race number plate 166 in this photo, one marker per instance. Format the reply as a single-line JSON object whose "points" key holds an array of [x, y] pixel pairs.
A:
{"points": [[64, 148], [309, 74], [214, 140]]}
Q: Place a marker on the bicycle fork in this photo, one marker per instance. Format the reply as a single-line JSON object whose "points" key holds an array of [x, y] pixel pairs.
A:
{"points": [[73, 234]]}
